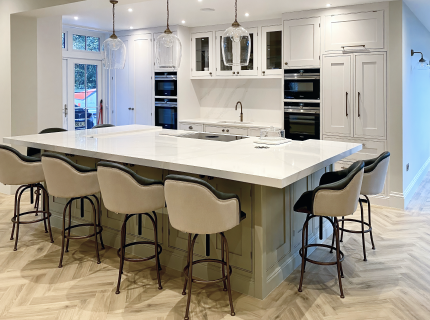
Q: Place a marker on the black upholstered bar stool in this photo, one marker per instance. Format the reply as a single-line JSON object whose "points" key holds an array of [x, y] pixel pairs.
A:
{"points": [[66, 179], [26, 172], [127, 193], [375, 172], [195, 207], [336, 196], [36, 153]]}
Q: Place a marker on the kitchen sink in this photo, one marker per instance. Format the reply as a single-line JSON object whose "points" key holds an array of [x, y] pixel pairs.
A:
{"points": [[233, 122]]}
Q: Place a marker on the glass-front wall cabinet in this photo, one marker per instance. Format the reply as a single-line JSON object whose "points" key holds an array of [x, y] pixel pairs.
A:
{"points": [[271, 58], [201, 54]]}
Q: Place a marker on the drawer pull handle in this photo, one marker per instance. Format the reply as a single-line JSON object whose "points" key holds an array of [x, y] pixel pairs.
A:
{"points": [[190, 127], [228, 130], [234, 72], [223, 130]]}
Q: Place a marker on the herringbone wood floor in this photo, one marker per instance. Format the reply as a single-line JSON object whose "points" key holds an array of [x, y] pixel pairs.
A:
{"points": [[393, 284]]}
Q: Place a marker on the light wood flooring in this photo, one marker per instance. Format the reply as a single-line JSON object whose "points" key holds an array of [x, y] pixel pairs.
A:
{"points": [[393, 284]]}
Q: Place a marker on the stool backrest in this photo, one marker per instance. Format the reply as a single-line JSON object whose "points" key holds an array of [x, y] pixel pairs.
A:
{"points": [[18, 169], [339, 198], [66, 179], [195, 206], [33, 151], [126, 192], [375, 172]]}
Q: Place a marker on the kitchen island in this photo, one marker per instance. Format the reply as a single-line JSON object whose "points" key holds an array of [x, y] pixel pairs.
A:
{"points": [[264, 247]]}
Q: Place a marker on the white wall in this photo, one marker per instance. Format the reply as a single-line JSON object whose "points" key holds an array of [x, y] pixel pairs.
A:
{"points": [[261, 99], [416, 103]]}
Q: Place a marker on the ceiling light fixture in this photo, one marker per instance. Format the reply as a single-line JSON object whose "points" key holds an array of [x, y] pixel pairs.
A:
{"points": [[168, 48], [76, 18], [130, 10], [131, 27], [236, 44], [422, 63], [247, 14], [328, 5], [183, 21], [113, 49]]}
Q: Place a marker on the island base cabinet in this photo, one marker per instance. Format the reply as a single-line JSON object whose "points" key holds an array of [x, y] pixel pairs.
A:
{"points": [[263, 247]]}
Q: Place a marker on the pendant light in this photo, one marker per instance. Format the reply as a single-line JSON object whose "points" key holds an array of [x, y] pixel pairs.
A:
{"points": [[168, 48], [236, 44], [113, 49]]}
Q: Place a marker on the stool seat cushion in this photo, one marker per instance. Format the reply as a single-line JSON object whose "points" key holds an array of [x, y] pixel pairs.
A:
{"points": [[18, 169], [194, 206], [126, 192], [66, 179], [304, 204]]}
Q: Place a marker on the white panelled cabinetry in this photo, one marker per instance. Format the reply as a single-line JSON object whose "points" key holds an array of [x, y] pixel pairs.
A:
{"points": [[202, 59], [302, 42], [271, 50]]}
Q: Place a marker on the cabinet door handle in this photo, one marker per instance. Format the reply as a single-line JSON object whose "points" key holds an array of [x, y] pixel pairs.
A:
{"points": [[190, 127], [359, 96], [210, 73], [238, 72], [228, 130], [264, 73], [346, 104], [234, 72], [223, 130], [286, 63]]}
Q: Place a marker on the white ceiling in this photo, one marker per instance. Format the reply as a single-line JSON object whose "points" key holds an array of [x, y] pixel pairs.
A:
{"points": [[421, 8], [152, 13]]}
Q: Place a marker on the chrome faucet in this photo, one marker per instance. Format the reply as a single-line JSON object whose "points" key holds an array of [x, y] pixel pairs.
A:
{"points": [[241, 113]]}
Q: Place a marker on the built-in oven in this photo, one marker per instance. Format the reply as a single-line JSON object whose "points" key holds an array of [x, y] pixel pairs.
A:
{"points": [[166, 84], [302, 84], [302, 120], [166, 113]]}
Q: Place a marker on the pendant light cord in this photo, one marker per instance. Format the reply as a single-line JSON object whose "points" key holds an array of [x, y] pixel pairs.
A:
{"points": [[113, 18], [235, 11], [168, 13]]}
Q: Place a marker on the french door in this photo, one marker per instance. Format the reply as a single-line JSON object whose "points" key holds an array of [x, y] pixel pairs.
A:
{"points": [[83, 89]]}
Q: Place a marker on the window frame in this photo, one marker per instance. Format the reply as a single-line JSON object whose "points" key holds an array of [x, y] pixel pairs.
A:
{"points": [[69, 52]]}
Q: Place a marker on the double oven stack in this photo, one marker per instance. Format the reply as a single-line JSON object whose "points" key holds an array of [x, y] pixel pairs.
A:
{"points": [[302, 104], [166, 100]]}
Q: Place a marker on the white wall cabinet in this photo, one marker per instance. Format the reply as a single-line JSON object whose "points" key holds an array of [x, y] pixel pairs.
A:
{"points": [[370, 119], [337, 95], [202, 59], [302, 42], [355, 29], [358, 104], [250, 70], [271, 50]]}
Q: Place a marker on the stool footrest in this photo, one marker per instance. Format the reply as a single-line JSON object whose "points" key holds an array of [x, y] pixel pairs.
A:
{"points": [[99, 231], [322, 263], [32, 221], [223, 263], [355, 231], [160, 249]]}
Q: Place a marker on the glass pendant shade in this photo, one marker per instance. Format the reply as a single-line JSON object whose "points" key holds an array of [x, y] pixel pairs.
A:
{"points": [[236, 44], [168, 51], [113, 51]]}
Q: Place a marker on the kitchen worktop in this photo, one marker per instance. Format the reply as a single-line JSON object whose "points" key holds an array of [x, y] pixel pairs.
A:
{"points": [[277, 166], [230, 123]]}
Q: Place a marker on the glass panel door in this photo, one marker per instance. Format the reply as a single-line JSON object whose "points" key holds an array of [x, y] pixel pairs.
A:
{"points": [[202, 54], [251, 68], [86, 95], [271, 59], [221, 68]]}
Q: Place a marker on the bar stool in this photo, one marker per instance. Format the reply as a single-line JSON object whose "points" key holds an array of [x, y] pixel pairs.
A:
{"points": [[336, 196], [66, 179], [126, 192], [375, 172], [27, 172], [36, 153], [195, 207]]}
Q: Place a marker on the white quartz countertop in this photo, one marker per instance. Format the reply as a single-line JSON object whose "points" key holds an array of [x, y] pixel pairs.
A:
{"points": [[239, 160], [231, 123]]}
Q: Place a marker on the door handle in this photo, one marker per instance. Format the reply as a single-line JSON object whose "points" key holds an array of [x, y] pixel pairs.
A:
{"points": [[359, 95], [346, 104], [65, 110]]}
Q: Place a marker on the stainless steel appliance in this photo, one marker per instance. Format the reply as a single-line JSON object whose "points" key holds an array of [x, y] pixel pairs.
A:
{"points": [[302, 84], [166, 84], [166, 113], [302, 120]]}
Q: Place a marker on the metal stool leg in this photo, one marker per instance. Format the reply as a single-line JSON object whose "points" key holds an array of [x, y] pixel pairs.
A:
{"points": [[95, 228], [121, 262], [362, 230], [99, 215], [305, 226], [157, 258], [15, 209], [339, 263], [184, 291], [228, 275], [46, 208], [222, 266], [190, 276], [63, 233], [68, 231], [343, 225], [370, 222]]}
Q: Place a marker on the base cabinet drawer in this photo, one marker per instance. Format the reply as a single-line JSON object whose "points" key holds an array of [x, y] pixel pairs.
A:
{"points": [[254, 132], [226, 130], [191, 127]]}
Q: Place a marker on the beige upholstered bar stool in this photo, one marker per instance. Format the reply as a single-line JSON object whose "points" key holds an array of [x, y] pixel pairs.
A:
{"points": [[66, 179], [127, 193], [375, 172], [336, 196], [26, 172], [195, 207]]}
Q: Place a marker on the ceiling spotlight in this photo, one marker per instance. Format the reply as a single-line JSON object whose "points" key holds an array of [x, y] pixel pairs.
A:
{"points": [[130, 10], [247, 14], [200, 0], [76, 18], [328, 5], [131, 27], [183, 21]]}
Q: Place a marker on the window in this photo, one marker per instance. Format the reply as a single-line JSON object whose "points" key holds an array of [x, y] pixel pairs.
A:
{"points": [[86, 43], [64, 40]]}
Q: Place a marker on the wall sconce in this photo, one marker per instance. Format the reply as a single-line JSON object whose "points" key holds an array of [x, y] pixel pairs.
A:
{"points": [[422, 63]]}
